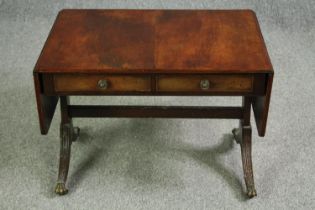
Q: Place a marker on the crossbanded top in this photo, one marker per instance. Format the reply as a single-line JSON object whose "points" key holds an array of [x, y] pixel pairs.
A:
{"points": [[155, 41]]}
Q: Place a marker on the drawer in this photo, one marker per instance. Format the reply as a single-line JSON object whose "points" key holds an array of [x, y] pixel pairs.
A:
{"points": [[205, 83], [101, 83]]}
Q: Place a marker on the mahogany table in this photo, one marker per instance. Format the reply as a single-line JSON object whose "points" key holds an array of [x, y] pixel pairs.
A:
{"points": [[154, 52]]}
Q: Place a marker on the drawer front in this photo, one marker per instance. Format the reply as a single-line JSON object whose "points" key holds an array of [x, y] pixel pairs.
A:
{"points": [[101, 83], [205, 83]]}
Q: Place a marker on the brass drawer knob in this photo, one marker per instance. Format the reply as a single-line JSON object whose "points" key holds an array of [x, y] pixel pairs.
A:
{"points": [[103, 84], [204, 84]]}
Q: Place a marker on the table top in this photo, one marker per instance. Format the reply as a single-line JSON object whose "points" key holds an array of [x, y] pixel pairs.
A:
{"points": [[155, 41]]}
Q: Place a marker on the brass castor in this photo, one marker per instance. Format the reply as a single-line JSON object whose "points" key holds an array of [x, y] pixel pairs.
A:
{"points": [[251, 192], [61, 189]]}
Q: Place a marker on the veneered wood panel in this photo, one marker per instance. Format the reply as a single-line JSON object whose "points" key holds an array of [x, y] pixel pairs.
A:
{"points": [[155, 41], [46, 105], [89, 83], [218, 83], [261, 107]]}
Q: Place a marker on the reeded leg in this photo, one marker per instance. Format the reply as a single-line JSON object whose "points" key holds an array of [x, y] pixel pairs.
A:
{"points": [[65, 149], [68, 134], [243, 136], [246, 150]]}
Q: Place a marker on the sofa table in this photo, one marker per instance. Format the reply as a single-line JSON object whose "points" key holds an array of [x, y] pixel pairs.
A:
{"points": [[154, 53]]}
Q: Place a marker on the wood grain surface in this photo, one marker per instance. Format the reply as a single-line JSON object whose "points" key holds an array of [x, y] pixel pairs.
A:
{"points": [[162, 41]]}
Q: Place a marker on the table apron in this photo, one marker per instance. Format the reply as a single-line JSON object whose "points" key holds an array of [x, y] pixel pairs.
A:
{"points": [[157, 85]]}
